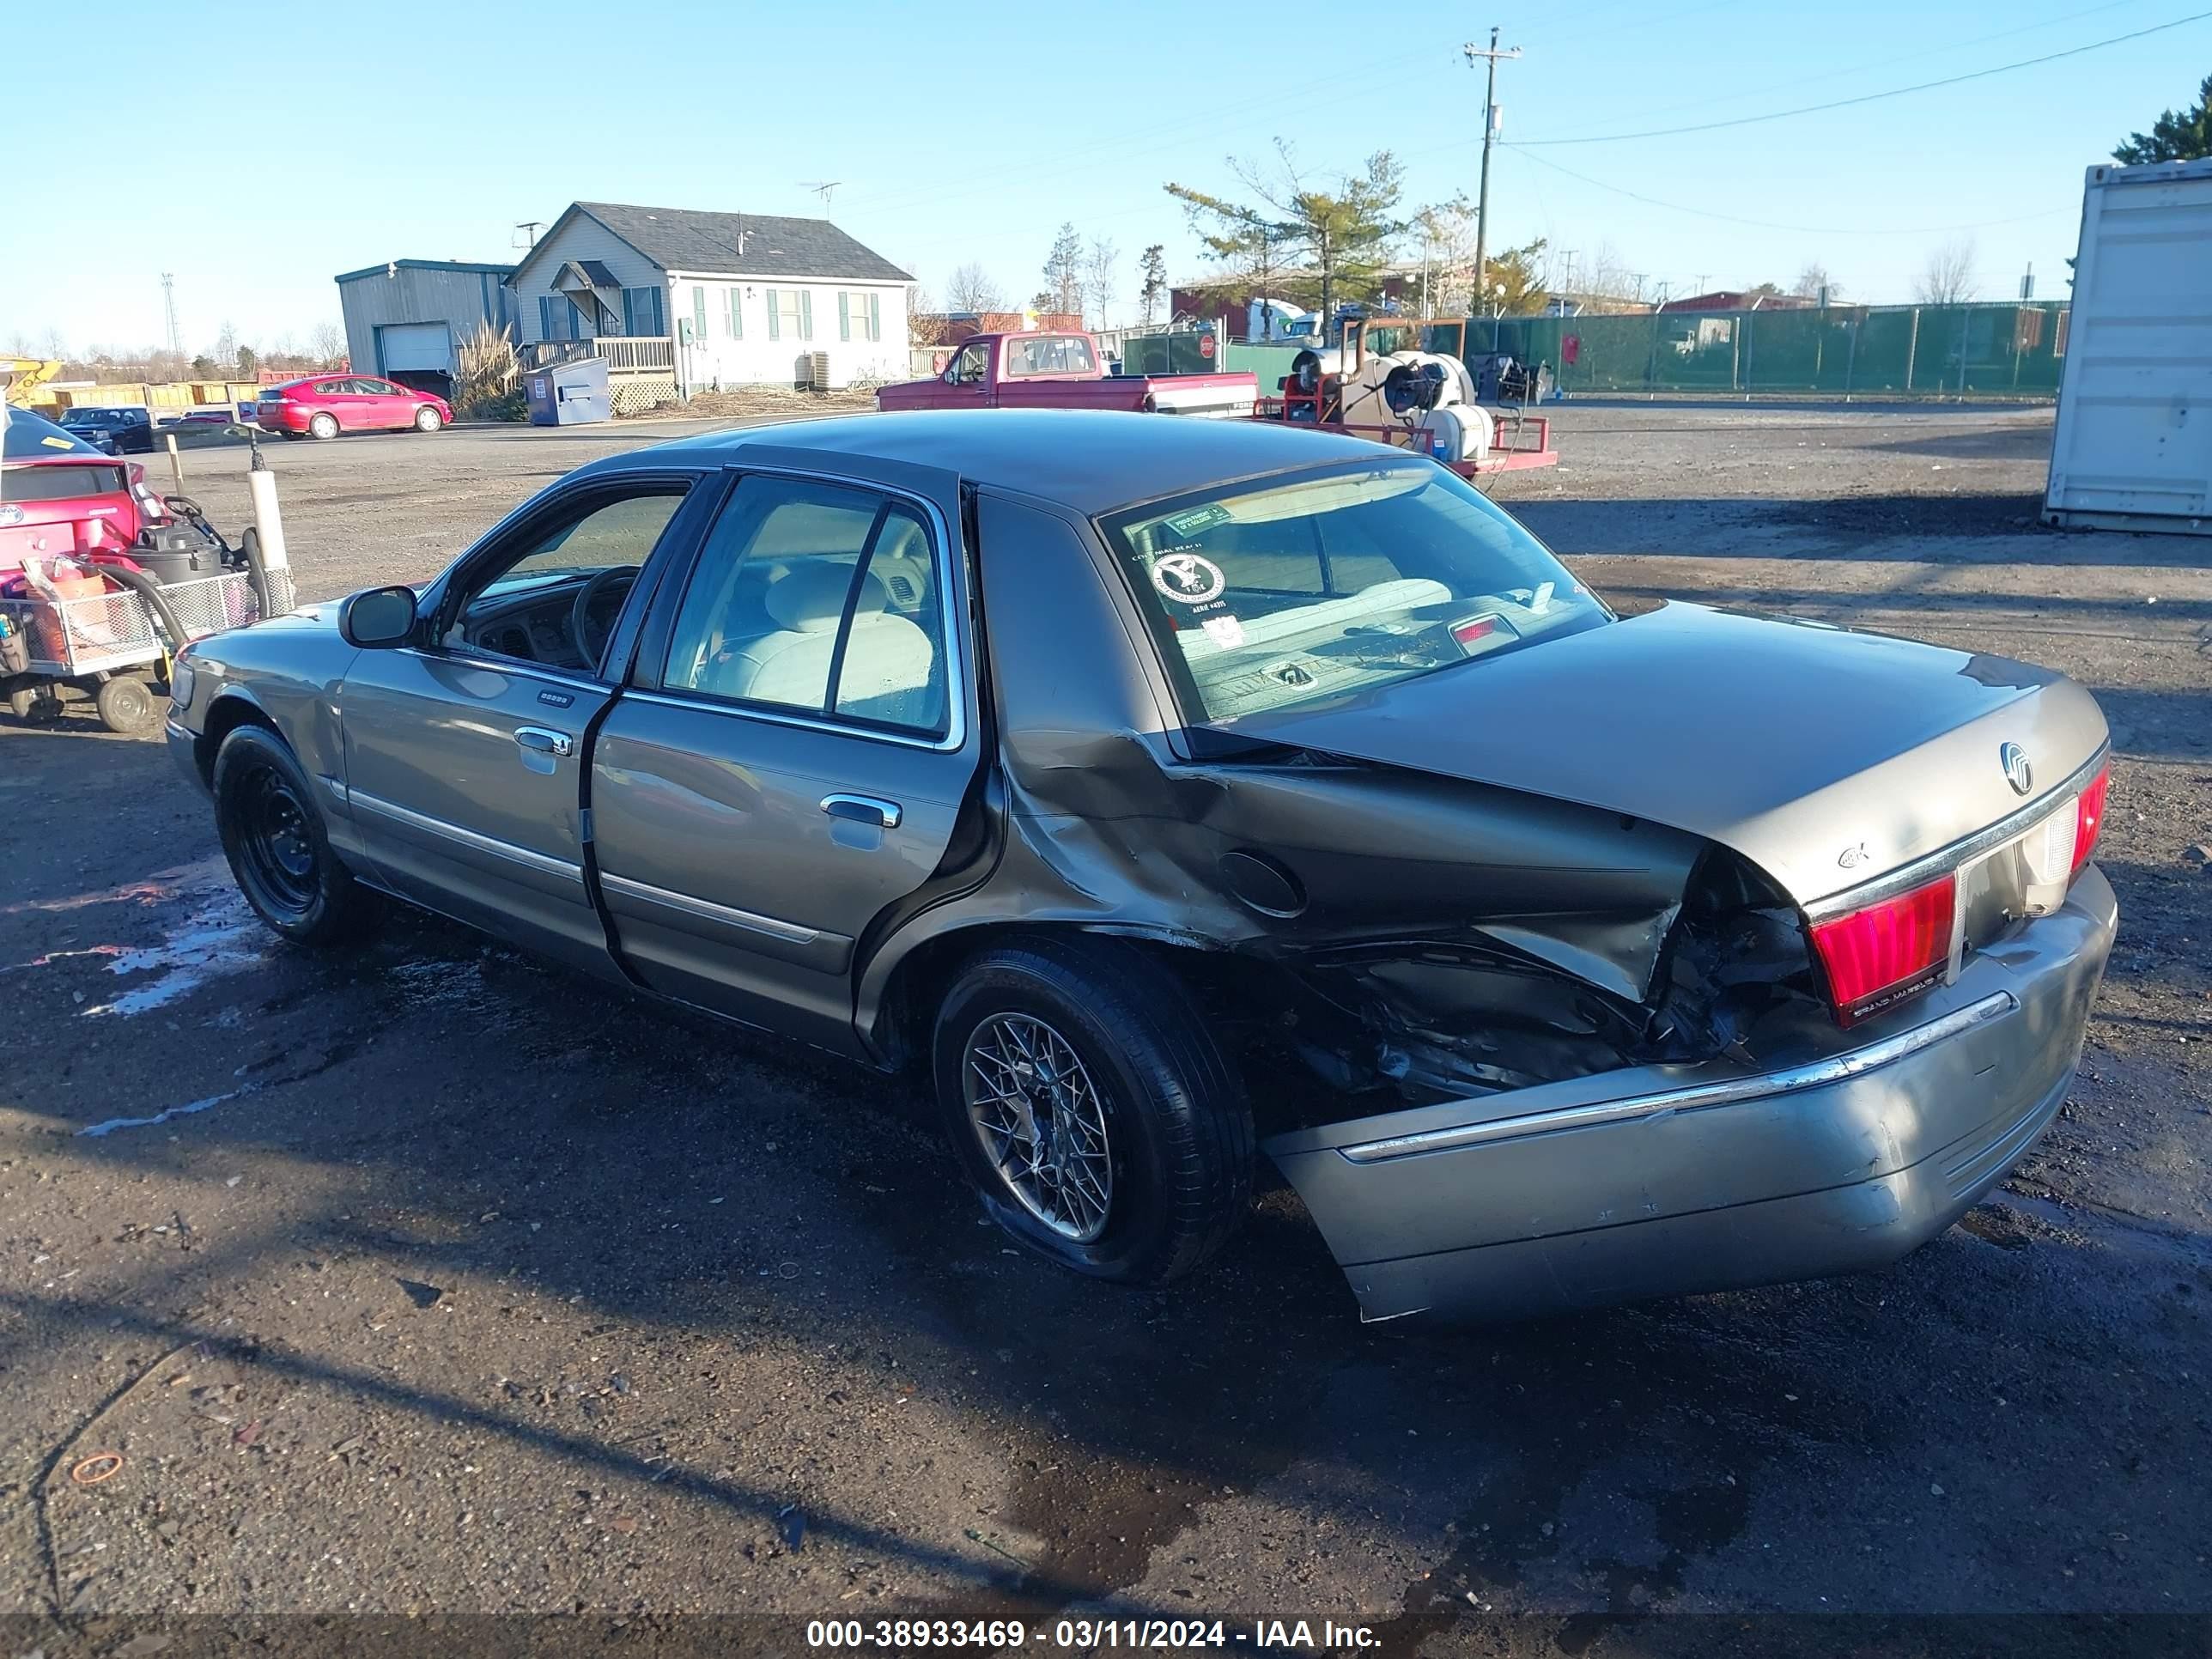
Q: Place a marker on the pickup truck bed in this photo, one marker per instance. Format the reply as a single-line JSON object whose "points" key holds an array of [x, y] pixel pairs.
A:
{"points": [[1066, 371]]}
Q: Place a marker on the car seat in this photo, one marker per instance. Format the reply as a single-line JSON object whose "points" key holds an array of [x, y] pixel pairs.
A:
{"points": [[890, 663]]}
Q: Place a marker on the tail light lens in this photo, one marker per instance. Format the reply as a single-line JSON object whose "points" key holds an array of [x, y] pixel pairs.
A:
{"points": [[2089, 818], [1889, 951]]}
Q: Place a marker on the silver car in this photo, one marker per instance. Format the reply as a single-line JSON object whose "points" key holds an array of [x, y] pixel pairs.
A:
{"points": [[1175, 793]]}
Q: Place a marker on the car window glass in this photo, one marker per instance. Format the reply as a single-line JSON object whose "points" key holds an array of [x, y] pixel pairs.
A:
{"points": [[521, 606], [970, 364], [1051, 354], [1332, 583], [817, 599]]}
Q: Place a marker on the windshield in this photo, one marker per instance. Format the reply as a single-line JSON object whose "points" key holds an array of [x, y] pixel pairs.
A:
{"points": [[1299, 593]]}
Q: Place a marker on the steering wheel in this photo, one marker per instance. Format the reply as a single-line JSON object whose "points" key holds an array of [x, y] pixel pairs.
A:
{"points": [[591, 639]]}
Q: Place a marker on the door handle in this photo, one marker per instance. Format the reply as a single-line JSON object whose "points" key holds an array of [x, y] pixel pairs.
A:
{"points": [[538, 740], [864, 809]]}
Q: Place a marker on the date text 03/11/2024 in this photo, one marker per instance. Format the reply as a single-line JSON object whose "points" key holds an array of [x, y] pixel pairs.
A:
{"points": [[1089, 1635]]}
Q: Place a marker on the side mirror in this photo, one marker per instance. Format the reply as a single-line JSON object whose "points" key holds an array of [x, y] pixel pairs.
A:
{"points": [[378, 617]]}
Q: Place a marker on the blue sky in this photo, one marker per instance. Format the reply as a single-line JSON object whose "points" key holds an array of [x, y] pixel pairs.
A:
{"points": [[972, 132]]}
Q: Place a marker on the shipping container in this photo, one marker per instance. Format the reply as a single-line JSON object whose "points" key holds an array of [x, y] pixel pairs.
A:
{"points": [[2132, 446]]}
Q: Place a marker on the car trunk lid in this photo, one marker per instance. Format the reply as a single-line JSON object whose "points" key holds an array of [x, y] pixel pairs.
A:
{"points": [[1826, 757]]}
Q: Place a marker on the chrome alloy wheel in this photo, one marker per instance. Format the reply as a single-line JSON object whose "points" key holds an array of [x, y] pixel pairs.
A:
{"points": [[1041, 1123]]}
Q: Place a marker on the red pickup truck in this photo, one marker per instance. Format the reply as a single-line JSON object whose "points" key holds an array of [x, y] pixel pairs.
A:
{"points": [[1065, 371]]}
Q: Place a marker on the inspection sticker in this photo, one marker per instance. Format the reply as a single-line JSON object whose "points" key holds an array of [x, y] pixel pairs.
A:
{"points": [[1225, 631]]}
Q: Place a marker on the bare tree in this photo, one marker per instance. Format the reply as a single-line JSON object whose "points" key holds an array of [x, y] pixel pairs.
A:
{"points": [[1063, 271], [1948, 278], [971, 288], [1100, 280], [1153, 294], [326, 341], [1814, 281], [224, 352]]}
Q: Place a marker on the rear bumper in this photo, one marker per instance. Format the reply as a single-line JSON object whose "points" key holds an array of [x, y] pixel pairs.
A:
{"points": [[1663, 1180], [282, 417]]}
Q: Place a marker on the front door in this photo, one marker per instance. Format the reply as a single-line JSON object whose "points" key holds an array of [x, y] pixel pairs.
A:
{"points": [[791, 760], [464, 750]]}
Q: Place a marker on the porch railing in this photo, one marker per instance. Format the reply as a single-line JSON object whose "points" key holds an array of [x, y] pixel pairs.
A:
{"points": [[625, 354]]}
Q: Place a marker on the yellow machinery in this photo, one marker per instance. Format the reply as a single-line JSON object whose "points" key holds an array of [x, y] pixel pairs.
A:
{"points": [[25, 375]]}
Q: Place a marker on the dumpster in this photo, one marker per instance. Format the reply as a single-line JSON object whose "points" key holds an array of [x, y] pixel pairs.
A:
{"points": [[570, 394]]}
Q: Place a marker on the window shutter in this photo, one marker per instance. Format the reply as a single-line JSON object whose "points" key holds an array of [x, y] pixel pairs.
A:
{"points": [[698, 312], [545, 316], [875, 316], [774, 322], [737, 313], [629, 310], [659, 310], [844, 315], [806, 313]]}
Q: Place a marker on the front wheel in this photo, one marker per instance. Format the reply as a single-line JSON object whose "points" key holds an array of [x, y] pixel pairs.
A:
{"points": [[273, 835], [426, 420], [324, 426], [1092, 1109]]}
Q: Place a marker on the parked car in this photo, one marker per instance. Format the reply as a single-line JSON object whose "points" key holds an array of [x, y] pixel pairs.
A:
{"points": [[1064, 371], [59, 495], [114, 430], [324, 405], [1160, 790]]}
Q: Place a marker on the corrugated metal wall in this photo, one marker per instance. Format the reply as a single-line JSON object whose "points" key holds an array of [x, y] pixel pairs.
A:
{"points": [[459, 299]]}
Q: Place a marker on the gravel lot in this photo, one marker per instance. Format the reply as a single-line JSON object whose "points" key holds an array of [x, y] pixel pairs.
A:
{"points": [[439, 1283]]}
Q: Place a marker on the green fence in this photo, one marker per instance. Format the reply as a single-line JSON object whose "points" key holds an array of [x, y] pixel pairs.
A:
{"points": [[1990, 350], [2000, 350]]}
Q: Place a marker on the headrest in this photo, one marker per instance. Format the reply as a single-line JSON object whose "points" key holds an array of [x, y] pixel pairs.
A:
{"points": [[811, 598]]}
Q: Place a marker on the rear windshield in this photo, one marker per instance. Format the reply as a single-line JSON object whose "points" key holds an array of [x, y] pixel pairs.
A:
{"points": [[32, 436], [1299, 593], [65, 483], [1051, 354]]}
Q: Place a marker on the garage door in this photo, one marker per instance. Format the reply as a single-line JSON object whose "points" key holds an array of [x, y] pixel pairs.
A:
{"points": [[416, 346]]}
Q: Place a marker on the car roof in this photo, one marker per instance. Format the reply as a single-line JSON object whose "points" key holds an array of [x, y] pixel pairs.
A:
{"points": [[1089, 461]]}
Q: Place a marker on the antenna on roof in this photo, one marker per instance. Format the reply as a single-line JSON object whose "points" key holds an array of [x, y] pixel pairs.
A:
{"points": [[527, 234], [821, 187]]}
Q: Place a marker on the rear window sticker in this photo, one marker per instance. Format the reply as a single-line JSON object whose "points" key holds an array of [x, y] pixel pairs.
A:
{"points": [[1188, 579], [1225, 631]]}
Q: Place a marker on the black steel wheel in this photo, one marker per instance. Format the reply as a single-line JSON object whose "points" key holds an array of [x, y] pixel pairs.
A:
{"points": [[273, 836], [1091, 1107]]}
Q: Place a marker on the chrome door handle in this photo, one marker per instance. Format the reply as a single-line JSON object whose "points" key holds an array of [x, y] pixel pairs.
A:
{"points": [[538, 739], [864, 809]]}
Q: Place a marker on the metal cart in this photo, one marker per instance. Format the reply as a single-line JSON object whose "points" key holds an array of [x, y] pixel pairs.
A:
{"points": [[111, 646]]}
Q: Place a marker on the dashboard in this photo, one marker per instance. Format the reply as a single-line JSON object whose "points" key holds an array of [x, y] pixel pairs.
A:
{"points": [[537, 626]]}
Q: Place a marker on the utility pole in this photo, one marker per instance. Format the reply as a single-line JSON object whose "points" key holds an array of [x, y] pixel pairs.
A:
{"points": [[1489, 136]]}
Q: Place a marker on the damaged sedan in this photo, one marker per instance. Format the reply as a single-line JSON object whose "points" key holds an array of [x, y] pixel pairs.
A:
{"points": [[1170, 796]]}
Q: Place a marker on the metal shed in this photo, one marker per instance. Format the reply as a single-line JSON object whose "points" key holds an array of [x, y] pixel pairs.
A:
{"points": [[2132, 446], [404, 318]]}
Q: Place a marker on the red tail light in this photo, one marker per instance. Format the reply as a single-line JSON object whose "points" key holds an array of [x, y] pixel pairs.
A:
{"points": [[2089, 817], [1889, 951]]}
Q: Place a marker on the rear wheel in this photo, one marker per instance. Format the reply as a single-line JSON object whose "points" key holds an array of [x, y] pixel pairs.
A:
{"points": [[324, 425], [35, 703], [273, 836], [125, 704], [1092, 1109], [426, 419]]}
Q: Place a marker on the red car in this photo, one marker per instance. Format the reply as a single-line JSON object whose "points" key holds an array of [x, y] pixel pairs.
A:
{"points": [[62, 496], [324, 405]]}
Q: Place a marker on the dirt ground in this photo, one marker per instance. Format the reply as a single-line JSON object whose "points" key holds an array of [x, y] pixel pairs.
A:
{"points": [[426, 1280]]}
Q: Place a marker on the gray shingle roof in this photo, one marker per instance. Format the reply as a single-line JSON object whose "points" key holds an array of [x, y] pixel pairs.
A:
{"points": [[677, 238]]}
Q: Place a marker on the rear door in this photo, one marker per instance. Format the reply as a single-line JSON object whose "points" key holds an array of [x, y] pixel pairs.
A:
{"points": [[464, 750], [791, 759]]}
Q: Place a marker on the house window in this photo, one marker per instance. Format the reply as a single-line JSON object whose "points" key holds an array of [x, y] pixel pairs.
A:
{"points": [[859, 315], [643, 313], [790, 313]]}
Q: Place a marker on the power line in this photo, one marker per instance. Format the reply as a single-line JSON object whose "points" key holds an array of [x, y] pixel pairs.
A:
{"points": [[1865, 97], [1769, 224]]}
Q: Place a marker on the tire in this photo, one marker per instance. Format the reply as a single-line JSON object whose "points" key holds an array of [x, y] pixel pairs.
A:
{"points": [[426, 419], [323, 424], [35, 704], [126, 705], [291, 437], [1178, 1138], [273, 836]]}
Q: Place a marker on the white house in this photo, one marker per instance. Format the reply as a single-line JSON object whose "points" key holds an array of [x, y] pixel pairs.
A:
{"points": [[748, 299]]}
